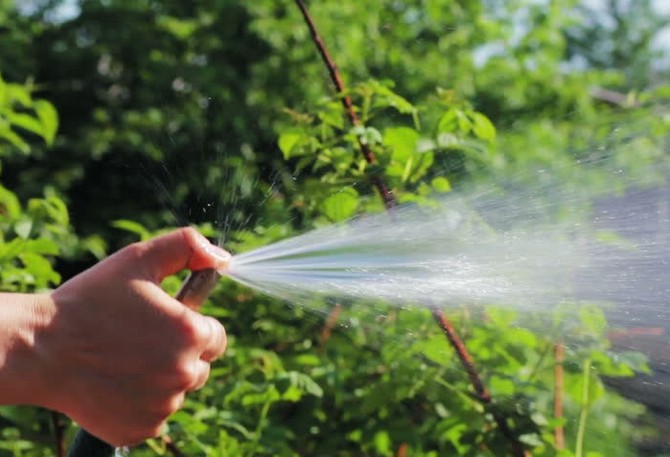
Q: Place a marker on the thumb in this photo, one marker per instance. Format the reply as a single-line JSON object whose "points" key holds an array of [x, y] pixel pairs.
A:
{"points": [[178, 250]]}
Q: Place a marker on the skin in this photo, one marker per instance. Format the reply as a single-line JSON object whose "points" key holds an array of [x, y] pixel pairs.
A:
{"points": [[110, 348]]}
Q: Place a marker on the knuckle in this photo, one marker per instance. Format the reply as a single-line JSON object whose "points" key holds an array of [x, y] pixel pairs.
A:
{"points": [[188, 328], [190, 235], [169, 406], [186, 375], [203, 376], [136, 250], [155, 429]]}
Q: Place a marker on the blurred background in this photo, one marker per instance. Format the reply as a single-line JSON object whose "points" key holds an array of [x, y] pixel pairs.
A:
{"points": [[121, 119]]}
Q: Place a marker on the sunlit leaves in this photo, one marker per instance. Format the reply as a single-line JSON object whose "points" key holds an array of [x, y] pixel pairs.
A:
{"points": [[341, 205], [407, 162], [288, 142], [21, 114], [180, 28], [441, 184], [29, 239], [132, 227]]}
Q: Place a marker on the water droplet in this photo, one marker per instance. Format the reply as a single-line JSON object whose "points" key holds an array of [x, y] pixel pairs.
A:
{"points": [[121, 452]]}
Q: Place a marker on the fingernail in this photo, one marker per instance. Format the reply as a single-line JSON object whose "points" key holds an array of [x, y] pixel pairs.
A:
{"points": [[223, 257], [221, 254]]}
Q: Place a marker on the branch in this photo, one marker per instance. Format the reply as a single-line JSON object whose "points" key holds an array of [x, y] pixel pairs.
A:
{"points": [[481, 392], [171, 446], [331, 321], [389, 203], [59, 433], [559, 358], [613, 97], [377, 180]]}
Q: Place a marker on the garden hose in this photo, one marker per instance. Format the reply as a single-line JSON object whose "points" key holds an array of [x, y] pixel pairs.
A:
{"points": [[194, 291]]}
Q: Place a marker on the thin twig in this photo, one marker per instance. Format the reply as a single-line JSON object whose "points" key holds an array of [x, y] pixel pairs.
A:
{"points": [[390, 202], [402, 450], [331, 321], [559, 358], [59, 432], [584, 410], [171, 446]]}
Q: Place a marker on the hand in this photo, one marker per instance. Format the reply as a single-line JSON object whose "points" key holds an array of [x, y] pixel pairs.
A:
{"points": [[117, 354]]}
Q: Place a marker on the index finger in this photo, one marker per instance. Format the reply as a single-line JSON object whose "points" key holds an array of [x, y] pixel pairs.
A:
{"points": [[181, 249]]}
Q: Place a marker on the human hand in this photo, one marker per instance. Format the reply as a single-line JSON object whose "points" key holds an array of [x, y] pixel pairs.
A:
{"points": [[117, 353]]}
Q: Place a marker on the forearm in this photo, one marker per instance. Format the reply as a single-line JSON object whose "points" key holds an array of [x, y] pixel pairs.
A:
{"points": [[21, 364]]}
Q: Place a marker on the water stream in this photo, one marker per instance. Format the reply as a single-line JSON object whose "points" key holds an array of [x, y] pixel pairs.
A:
{"points": [[530, 249]]}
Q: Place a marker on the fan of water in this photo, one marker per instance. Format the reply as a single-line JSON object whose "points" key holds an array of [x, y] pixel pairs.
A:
{"points": [[532, 248]]}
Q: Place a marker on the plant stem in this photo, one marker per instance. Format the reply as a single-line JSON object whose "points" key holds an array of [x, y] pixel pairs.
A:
{"points": [[376, 179], [59, 433], [559, 358], [331, 321], [261, 425], [482, 393], [171, 446], [586, 386]]}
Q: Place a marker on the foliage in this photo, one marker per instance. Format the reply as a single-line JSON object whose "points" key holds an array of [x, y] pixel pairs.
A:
{"points": [[619, 37], [29, 236], [214, 113]]}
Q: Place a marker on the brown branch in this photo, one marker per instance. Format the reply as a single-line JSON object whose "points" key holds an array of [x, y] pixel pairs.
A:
{"points": [[481, 392], [389, 203], [171, 446], [59, 432], [377, 181], [559, 358], [402, 450], [331, 321], [464, 356], [612, 97]]}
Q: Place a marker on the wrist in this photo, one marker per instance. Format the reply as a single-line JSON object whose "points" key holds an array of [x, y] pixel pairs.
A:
{"points": [[23, 375]]}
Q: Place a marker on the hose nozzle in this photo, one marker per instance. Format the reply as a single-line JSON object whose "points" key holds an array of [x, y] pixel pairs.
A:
{"points": [[197, 287]]}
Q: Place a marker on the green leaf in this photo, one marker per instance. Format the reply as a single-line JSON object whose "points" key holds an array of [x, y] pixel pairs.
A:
{"points": [[270, 395], [23, 228], [340, 206], [132, 227], [96, 245], [14, 139], [333, 115], [441, 184], [367, 135], [454, 121], [26, 122], [48, 116], [482, 127], [19, 94], [9, 204], [180, 28], [433, 348], [502, 387], [288, 142], [383, 443], [40, 268], [402, 141], [9, 251], [42, 246]]}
